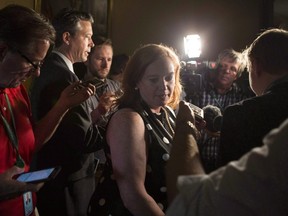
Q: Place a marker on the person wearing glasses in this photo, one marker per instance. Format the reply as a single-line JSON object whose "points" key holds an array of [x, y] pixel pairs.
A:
{"points": [[75, 141], [220, 89], [25, 38]]}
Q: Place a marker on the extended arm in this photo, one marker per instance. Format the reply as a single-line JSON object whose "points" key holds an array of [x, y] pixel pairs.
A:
{"points": [[184, 155], [70, 97]]}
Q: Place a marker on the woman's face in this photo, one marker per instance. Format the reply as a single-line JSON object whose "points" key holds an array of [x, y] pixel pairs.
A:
{"points": [[158, 82]]}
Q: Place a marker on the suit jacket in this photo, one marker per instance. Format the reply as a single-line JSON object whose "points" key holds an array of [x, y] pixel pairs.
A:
{"points": [[246, 123], [72, 146]]}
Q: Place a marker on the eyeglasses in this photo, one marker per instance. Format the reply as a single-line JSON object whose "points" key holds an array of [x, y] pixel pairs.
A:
{"points": [[35, 66]]}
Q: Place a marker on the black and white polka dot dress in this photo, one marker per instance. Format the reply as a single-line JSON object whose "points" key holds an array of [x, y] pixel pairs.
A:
{"points": [[106, 199]]}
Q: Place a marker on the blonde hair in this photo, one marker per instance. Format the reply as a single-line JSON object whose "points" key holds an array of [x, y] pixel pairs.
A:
{"points": [[233, 56]]}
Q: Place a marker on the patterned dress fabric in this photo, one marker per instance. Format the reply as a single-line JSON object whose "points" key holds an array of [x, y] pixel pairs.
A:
{"points": [[160, 130]]}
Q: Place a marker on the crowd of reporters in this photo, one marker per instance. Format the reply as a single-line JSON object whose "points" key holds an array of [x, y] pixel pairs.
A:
{"points": [[145, 156]]}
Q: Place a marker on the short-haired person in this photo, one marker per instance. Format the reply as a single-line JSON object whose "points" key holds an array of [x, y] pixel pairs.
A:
{"points": [[98, 67], [246, 123], [25, 38], [220, 89], [256, 184], [219, 86], [73, 145], [139, 136]]}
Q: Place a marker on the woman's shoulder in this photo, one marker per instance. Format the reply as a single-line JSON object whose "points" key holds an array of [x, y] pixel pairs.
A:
{"points": [[125, 121], [125, 115], [125, 112]]}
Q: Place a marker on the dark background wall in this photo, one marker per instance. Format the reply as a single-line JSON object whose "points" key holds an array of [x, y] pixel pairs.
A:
{"points": [[221, 24]]}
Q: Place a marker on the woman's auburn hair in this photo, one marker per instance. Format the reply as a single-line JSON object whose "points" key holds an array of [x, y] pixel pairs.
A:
{"points": [[136, 67]]}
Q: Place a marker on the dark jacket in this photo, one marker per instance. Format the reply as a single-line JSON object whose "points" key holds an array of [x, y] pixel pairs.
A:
{"points": [[71, 147], [246, 123]]}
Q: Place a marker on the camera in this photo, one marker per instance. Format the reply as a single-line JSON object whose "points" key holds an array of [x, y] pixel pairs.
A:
{"points": [[194, 76]]}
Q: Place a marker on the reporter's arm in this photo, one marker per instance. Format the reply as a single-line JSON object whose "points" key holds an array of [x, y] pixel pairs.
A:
{"points": [[184, 155], [105, 103], [10, 188], [70, 97]]}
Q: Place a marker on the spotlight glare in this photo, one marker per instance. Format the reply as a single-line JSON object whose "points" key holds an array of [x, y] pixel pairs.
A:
{"points": [[192, 46]]}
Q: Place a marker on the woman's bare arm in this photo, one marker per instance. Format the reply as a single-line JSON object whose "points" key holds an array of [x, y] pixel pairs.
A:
{"points": [[126, 138]]}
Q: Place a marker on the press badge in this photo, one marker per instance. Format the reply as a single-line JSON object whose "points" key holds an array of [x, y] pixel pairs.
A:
{"points": [[28, 203]]}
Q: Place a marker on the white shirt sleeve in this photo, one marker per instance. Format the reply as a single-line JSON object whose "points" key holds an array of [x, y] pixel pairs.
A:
{"points": [[254, 185]]}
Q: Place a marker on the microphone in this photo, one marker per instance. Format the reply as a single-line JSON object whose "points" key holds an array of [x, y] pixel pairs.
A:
{"points": [[213, 118], [217, 123]]}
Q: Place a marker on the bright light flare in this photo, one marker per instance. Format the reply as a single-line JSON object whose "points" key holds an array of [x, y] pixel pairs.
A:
{"points": [[192, 46]]}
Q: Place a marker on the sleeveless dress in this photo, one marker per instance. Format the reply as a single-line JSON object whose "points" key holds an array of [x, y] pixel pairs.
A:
{"points": [[106, 199]]}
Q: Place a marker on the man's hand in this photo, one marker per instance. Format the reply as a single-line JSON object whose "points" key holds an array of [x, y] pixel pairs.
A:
{"points": [[184, 155], [106, 101], [75, 94], [185, 113], [10, 188]]}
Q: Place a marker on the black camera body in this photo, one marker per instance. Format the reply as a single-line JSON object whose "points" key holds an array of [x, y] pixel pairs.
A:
{"points": [[194, 76]]}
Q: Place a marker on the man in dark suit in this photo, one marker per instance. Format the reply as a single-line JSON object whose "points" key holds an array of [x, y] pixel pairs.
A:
{"points": [[73, 145], [245, 124]]}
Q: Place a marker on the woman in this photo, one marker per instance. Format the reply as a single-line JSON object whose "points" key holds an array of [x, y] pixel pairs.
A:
{"points": [[139, 136]]}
